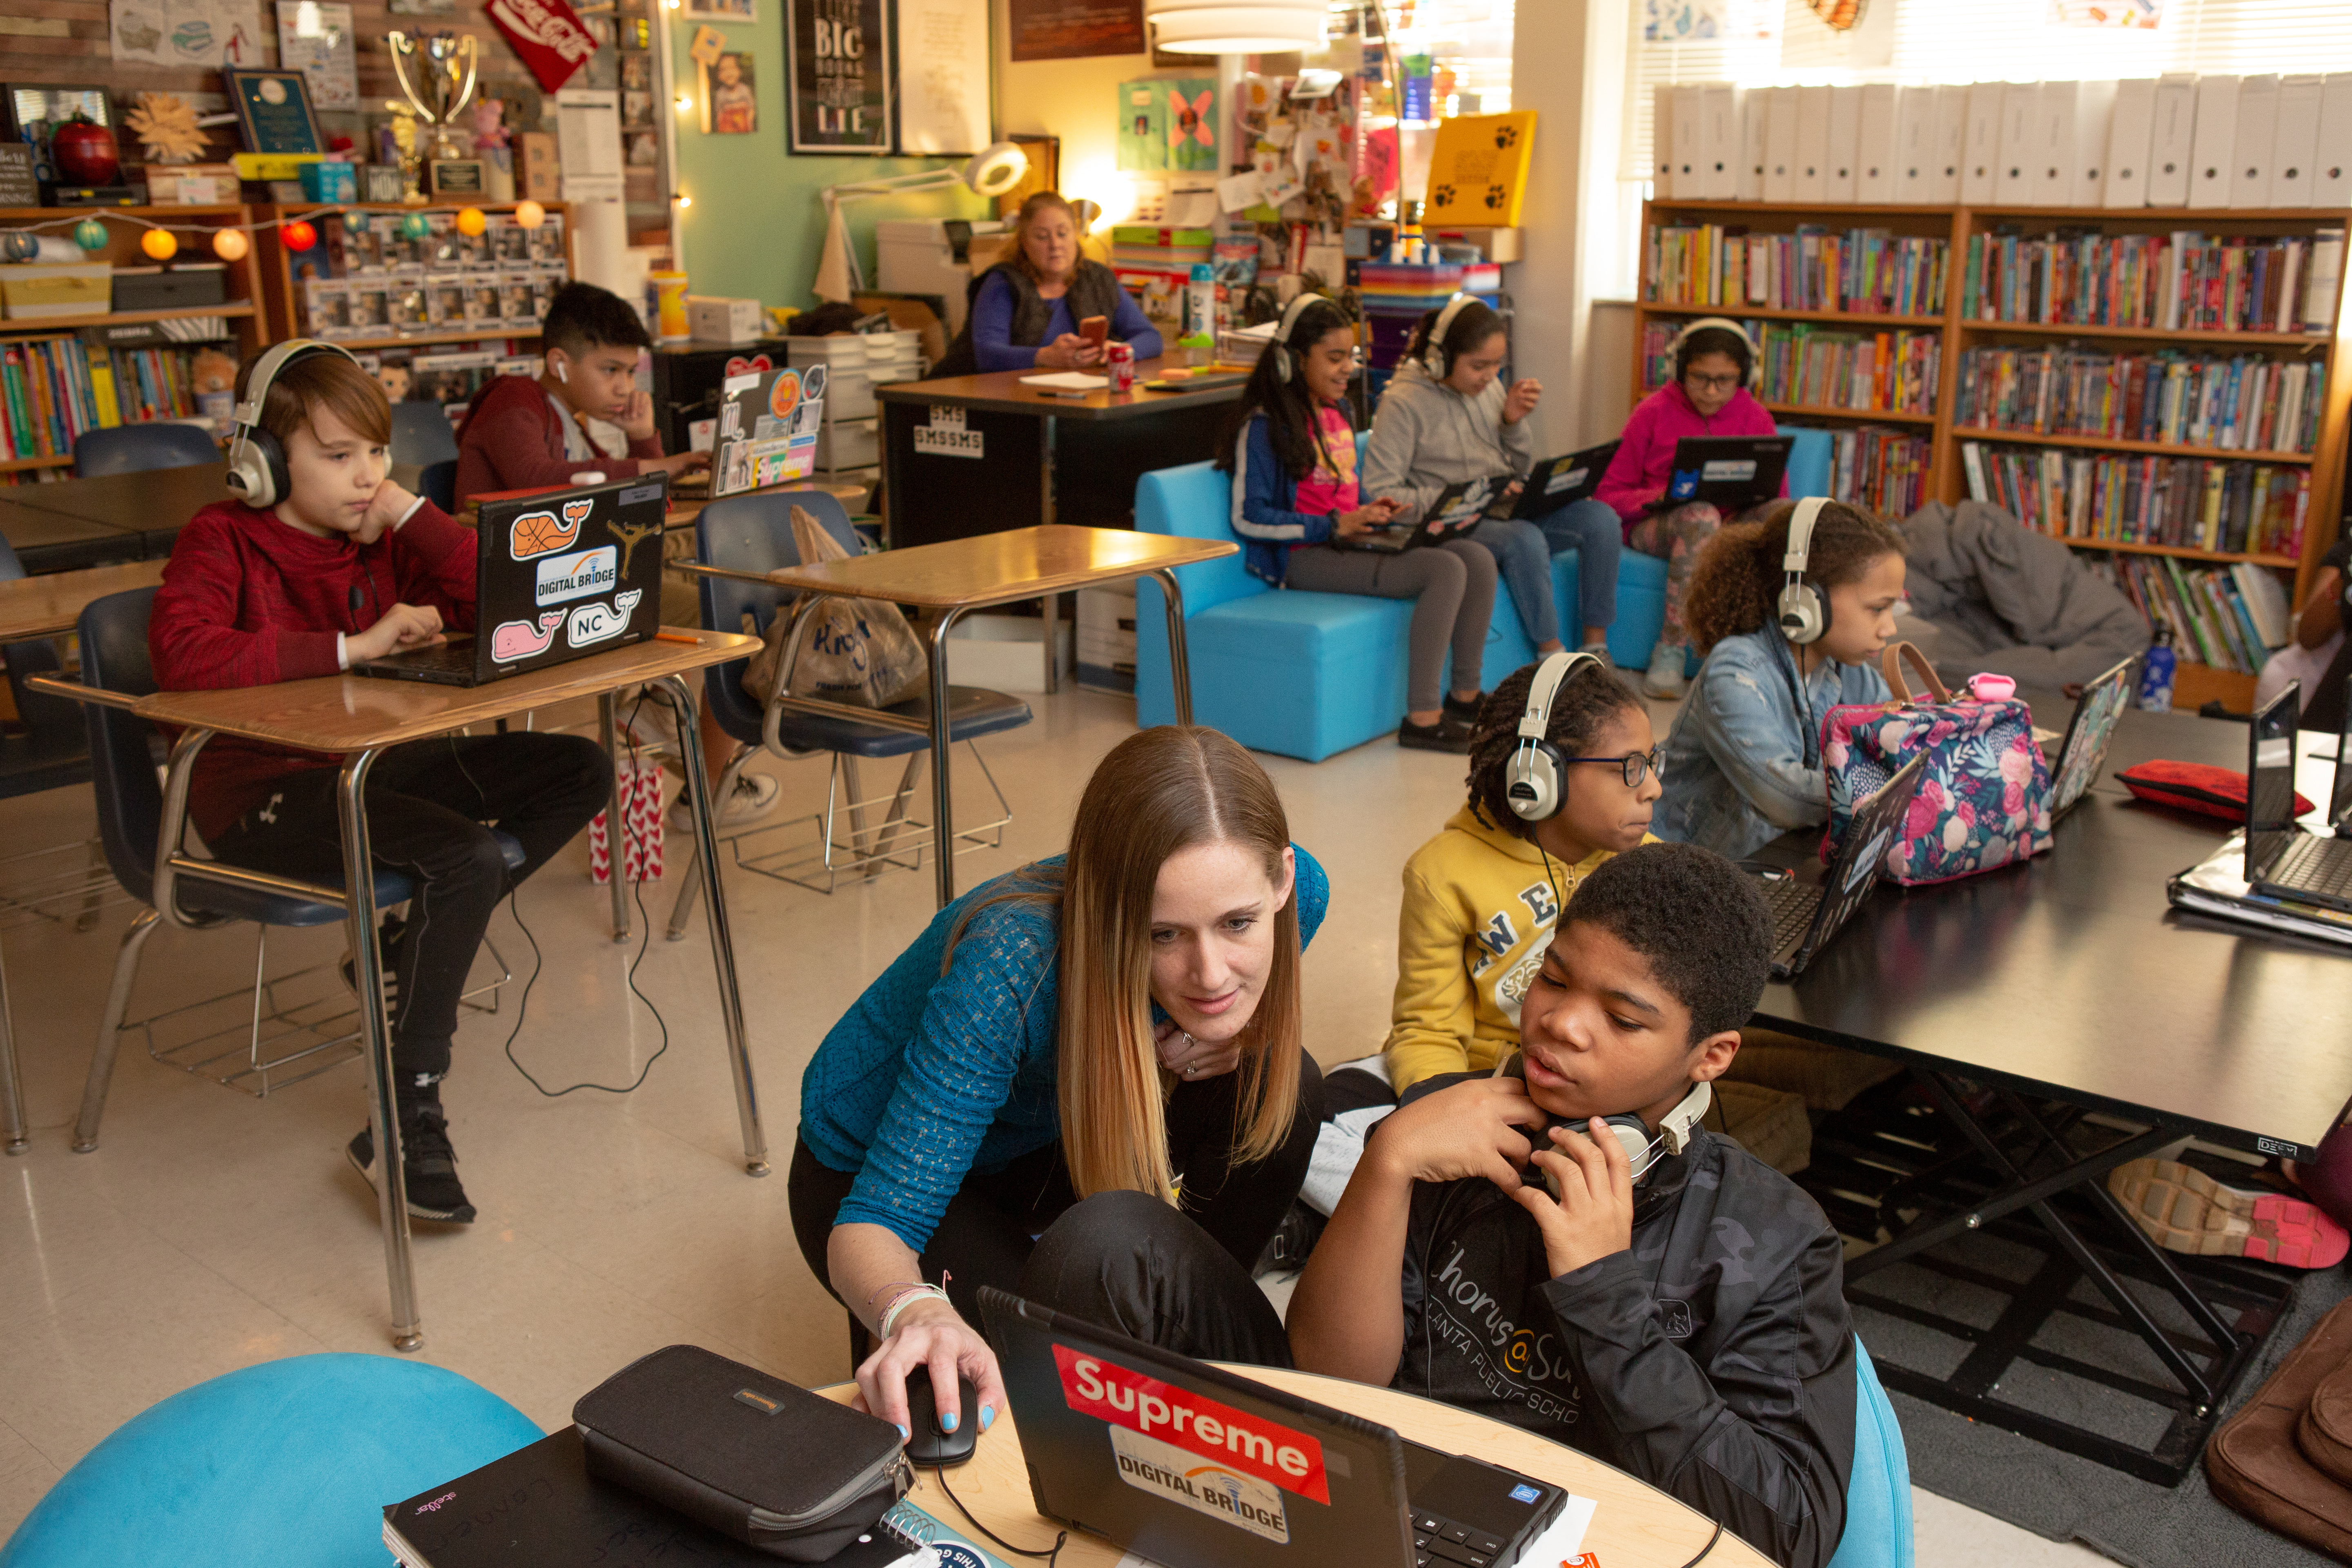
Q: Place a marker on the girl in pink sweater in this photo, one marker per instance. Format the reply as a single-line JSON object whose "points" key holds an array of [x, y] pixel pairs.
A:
{"points": [[1708, 396]]}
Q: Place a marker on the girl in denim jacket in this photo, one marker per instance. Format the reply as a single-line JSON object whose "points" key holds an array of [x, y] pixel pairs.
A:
{"points": [[1743, 761]]}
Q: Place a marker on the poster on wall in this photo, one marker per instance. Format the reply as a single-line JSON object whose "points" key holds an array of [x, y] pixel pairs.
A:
{"points": [[730, 100], [1075, 29], [211, 33], [942, 101], [316, 39], [837, 75]]}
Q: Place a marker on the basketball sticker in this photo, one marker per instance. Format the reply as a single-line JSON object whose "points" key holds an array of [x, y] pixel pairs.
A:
{"points": [[599, 622], [539, 533]]}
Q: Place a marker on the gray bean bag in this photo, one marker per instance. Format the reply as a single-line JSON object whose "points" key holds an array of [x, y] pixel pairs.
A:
{"points": [[1989, 594]]}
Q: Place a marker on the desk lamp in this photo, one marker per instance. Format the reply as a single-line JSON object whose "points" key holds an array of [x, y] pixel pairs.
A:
{"points": [[990, 173]]}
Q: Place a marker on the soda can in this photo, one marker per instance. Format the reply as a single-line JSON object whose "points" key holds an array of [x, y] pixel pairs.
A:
{"points": [[1120, 357]]}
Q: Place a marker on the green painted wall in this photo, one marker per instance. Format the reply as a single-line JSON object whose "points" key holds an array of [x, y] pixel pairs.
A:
{"points": [[754, 229]]}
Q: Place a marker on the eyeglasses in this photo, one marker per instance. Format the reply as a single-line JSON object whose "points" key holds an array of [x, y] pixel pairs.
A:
{"points": [[1713, 382], [1635, 766]]}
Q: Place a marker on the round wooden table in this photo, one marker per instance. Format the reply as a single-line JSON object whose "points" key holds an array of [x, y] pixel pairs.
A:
{"points": [[1635, 1526]]}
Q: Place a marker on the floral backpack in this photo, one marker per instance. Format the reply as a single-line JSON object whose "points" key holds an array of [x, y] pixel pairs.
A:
{"points": [[1985, 800]]}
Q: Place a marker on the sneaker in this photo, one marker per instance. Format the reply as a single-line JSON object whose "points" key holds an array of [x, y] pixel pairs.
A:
{"points": [[428, 1164], [2184, 1210], [1599, 651], [755, 795], [1291, 1240], [1448, 734], [1465, 712], [1664, 680], [390, 938]]}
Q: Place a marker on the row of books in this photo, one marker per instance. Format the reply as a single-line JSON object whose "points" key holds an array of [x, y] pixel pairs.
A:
{"points": [[2248, 404], [1869, 271], [2172, 282], [1884, 470], [2195, 504], [53, 389], [2208, 608], [1819, 367]]}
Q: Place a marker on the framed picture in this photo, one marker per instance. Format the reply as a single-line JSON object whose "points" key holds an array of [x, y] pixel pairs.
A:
{"points": [[723, 10], [731, 101], [273, 111], [838, 75]]}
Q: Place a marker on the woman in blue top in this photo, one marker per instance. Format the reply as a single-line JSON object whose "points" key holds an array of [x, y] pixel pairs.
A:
{"points": [[1122, 1019], [1744, 762], [1025, 309]]}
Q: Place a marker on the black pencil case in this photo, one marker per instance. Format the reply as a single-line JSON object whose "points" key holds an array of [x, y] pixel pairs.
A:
{"points": [[759, 1460]]}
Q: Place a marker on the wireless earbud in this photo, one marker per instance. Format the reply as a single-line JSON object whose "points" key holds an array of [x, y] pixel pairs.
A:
{"points": [[562, 371]]}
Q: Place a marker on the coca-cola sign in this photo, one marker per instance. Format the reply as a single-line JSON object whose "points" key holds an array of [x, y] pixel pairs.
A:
{"points": [[547, 35]]}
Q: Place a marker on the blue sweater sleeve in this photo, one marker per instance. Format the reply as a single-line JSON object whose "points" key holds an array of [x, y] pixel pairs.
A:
{"points": [[991, 329], [1132, 327], [1263, 491]]}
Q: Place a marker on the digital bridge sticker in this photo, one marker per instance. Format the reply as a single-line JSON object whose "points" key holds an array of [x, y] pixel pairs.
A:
{"points": [[579, 574], [1202, 1428], [1218, 1490]]}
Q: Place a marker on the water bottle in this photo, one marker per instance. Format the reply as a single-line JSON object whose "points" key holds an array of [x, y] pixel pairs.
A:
{"points": [[1200, 299], [2156, 673]]}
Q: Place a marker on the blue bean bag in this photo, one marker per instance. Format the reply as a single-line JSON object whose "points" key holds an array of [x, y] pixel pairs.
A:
{"points": [[289, 1463]]}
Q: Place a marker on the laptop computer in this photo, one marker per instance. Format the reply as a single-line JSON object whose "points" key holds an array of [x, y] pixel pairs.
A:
{"points": [[557, 576], [1807, 913], [1194, 1467], [1731, 473], [1557, 482], [1459, 506], [2283, 862], [767, 430], [2091, 731]]}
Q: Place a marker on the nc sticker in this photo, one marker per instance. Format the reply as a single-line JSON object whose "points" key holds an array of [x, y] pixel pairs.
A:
{"points": [[596, 623]]}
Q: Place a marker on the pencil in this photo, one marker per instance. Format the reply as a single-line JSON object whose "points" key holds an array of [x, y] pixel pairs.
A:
{"points": [[678, 636]]}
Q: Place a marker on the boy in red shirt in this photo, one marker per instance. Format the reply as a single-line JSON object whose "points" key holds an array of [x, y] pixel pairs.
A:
{"points": [[346, 565]]}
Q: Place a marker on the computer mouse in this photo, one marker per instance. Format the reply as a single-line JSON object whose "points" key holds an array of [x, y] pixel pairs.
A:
{"points": [[926, 1442]]}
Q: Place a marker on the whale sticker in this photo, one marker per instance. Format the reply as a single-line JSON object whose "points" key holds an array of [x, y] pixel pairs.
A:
{"points": [[539, 533], [596, 623], [522, 640]]}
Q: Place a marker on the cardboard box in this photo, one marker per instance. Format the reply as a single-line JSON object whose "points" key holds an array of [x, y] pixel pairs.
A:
{"points": [[35, 289], [716, 320], [539, 177], [192, 185]]}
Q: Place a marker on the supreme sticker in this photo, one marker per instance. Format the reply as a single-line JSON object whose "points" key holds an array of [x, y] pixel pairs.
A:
{"points": [[1218, 1490], [579, 574], [1202, 1427]]}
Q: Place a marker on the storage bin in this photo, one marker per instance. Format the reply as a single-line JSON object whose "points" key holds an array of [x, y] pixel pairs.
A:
{"points": [[1003, 653], [847, 443], [36, 289], [172, 289], [847, 395]]}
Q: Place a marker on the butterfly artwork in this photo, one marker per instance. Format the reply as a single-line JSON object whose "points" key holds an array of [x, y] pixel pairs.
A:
{"points": [[1192, 119], [1840, 15]]}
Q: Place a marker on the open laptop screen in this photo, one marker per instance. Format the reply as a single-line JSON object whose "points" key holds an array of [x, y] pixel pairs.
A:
{"points": [[2270, 781]]}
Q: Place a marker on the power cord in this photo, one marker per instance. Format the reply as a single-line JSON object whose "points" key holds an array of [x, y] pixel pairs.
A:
{"points": [[1050, 1554], [1703, 1551]]}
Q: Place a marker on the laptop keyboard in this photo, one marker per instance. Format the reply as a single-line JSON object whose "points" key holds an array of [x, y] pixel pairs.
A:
{"points": [[440, 656], [1792, 903], [2314, 865], [1438, 1541]]}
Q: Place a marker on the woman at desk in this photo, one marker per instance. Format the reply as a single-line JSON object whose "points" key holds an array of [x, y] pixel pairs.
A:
{"points": [[1026, 309], [1125, 1017]]}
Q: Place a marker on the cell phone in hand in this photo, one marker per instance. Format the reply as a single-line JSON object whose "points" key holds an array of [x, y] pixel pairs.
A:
{"points": [[1096, 330]]}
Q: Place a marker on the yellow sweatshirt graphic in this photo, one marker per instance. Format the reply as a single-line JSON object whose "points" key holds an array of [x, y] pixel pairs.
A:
{"points": [[1479, 908]]}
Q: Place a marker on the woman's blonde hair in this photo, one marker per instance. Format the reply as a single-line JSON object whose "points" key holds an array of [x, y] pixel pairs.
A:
{"points": [[1039, 203], [1159, 791], [1737, 581]]}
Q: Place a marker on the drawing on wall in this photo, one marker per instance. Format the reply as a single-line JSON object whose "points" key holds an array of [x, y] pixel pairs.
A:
{"points": [[2141, 14], [731, 102]]}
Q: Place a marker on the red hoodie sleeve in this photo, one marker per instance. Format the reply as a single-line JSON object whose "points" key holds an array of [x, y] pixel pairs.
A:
{"points": [[1622, 488], [433, 562], [512, 442], [192, 634]]}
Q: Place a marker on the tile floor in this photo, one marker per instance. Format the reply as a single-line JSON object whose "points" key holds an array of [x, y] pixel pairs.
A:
{"points": [[211, 1230]]}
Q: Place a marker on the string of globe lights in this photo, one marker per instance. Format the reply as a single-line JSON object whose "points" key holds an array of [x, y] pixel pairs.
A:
{"points": [[232, 242]]}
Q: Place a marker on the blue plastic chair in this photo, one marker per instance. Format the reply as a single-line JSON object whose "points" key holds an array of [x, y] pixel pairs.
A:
{"points": [[114, 657], [288, 1463], [1878, 1493], [421, 435], [137, 449], [754, 533], [437, 482]]}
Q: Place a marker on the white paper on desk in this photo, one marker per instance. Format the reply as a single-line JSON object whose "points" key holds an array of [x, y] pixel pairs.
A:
{"points": [[1067, 381]]}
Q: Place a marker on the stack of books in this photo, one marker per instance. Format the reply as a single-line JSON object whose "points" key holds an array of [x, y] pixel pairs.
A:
{"points": [[2216, 615], [2191, 503], [1868, 271], [2218, 887], [2248, 283], [1884, 470], [1155, 263], [1821, 367], [2247, 404]]}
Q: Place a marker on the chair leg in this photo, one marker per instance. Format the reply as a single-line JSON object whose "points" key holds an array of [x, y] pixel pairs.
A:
{"points": [[885, 837], [690, 884], [12, 1092], [109, 1030], [91, 899]]}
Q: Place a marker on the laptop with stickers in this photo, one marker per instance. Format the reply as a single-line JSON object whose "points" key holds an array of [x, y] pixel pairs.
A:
{"points": [[767, 431], [557, 576], [1194, 1467]]}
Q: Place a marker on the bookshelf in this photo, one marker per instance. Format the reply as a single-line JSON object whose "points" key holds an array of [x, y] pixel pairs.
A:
{"points": [[2326, 375]]}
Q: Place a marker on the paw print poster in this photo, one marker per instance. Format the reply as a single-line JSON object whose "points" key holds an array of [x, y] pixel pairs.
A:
{"points": [[1478, 170]]}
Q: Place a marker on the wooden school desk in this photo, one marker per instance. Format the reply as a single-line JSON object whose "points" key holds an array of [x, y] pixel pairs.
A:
{"points": [[49, 604], [1634, 1525], [2068, 980], [356, 718], [152, 506]]}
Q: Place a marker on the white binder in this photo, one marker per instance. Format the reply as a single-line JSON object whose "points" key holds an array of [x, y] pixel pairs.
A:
{"points": [[2256, 136], [1915, 165], [1813, 144], [2021, 141], [2094, 111], [2172, 133], [2214, 150], [1755, 105], [1662, 141], [1844, 164], [1690, 105], [1880, 155], [1952, 143], [2052, 169], [1718, 140], [2131, 131], [2297, 141], [1780, 145], [1980, 168], [2331, 180]]}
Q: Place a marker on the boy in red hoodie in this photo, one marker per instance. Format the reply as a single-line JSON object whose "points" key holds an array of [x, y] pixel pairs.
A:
{"points": [[346, 565]]}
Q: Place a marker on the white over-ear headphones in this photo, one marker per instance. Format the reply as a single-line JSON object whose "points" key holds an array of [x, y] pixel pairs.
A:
{"points": [[257, 462], [1284, 354], [1538, 781], [1633, 1136], [1803, 608], [1434, 358], [1755, 358]]}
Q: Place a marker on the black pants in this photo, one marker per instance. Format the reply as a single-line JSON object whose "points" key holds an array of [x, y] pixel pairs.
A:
{"points": [[993, 1224], [427, 806]]}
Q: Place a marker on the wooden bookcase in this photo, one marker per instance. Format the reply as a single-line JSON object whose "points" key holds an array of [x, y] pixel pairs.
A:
{"points": [[243, 311], [285, 310], [1946, 480]]}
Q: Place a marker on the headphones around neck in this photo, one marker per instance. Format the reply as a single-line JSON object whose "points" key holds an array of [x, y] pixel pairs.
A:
{"points": [[1433, 357], [1803, 608], [256, 461], [1284, 351], [1538, 781], [1755, 358], [1633, 1134]]}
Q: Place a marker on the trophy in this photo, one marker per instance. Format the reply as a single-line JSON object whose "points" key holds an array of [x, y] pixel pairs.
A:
{"points": [[436, 71]]}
